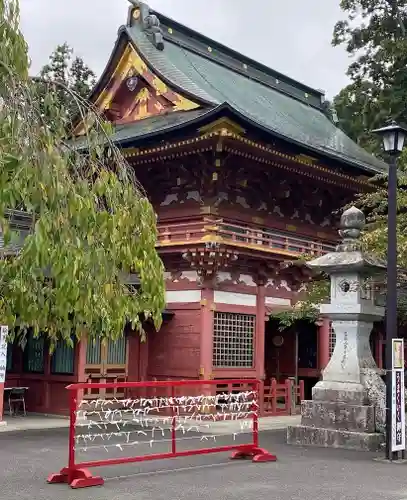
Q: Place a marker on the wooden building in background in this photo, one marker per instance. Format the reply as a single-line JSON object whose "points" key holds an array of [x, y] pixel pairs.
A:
{"points": [[244, 167]]}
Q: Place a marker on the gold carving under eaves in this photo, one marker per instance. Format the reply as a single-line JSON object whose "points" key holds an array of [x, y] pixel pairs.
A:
{"points": [[223, 126], [211, 259], [267, 193]]}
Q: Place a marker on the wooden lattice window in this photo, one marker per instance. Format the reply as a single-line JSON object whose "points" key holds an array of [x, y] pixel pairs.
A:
{"points": [[34, 354], [112, 353], [233, 340], [63, 359], [93, 351], [332, 340], [116, 351]]}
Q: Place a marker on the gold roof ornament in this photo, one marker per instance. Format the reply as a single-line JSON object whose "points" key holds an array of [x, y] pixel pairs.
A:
{"points": [[149, 22]]}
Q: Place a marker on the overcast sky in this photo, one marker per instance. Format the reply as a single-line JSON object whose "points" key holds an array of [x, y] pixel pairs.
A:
{"points": [[291, 36]]}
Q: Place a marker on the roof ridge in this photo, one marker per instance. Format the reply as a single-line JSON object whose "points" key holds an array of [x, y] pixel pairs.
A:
{"points": [[182, 34], [277, 85]]}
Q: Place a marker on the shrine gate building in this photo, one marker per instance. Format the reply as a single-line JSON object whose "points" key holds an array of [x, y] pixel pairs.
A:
{"points": [[244, 167]]}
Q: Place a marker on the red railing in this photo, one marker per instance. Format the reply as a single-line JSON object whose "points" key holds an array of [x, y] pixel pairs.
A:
{"points": [[240, 235], [274, 398], [281, 399], [188, 401]]}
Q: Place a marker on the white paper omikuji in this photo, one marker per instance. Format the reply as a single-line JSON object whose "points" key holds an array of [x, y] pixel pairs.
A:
{"points": [[118, 422]]}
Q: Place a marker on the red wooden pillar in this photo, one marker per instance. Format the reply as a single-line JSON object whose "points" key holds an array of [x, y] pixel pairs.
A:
{"points": [[1, 401], [143, 369], [80, 359], [3, 365], [133, 356], [143, 359], [260, 330], [323, 342], [80, 363], [206, 340], [47, 375]]}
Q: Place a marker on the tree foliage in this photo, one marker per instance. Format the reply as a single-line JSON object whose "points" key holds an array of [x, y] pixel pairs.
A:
{"points": [[375, 206], [71, 71], [315, 293], [91, 223], [359, 112], [374, 34]]}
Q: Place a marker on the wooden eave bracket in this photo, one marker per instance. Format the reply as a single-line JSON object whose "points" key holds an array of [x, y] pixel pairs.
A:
{"points": [[255, 151]]}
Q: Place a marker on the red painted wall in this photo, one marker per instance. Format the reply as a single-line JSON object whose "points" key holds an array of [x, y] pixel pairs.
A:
{"points": [[46, 392], [174, 350]]}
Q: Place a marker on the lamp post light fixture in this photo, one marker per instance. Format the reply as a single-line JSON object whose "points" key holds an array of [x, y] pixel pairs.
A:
{"points": [[393, 137]]}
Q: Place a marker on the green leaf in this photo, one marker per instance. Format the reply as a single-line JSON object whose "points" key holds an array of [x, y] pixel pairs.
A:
{"points": [[83, 211]]}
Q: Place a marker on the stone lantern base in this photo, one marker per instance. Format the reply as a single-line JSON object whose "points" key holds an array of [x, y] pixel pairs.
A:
{"points": [[337, 418]]}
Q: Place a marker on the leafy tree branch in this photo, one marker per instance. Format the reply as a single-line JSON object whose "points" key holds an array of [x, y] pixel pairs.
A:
{"points": [[92, 224]]}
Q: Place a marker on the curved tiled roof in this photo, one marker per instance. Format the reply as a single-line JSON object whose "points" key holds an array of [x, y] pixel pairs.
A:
{"points": [[216, 77], [208, 78]]}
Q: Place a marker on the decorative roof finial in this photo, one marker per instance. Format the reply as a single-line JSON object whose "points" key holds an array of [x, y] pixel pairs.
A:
{"points": [[149, 23], [352, 223]]}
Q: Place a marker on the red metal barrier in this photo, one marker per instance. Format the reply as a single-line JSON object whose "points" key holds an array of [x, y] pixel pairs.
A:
{"points": [[77, 475]]}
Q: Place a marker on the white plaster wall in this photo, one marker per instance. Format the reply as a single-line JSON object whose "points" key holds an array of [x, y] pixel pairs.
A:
{"points": [[277, 301], [237, 299], [186, 296], [243, 279]]}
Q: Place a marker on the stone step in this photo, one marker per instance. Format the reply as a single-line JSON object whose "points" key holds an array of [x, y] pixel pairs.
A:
{"points": [[338, 416], [302, 435]]}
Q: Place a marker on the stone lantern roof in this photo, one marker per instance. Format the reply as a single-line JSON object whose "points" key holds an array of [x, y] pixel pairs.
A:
{"points": [[349, 256]]}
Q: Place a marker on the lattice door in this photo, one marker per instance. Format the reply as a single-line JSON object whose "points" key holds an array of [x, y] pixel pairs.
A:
{"points": [[107, 362]]}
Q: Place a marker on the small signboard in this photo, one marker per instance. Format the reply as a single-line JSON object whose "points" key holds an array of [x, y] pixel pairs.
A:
{"points": [[398, 411], [3, 352]]}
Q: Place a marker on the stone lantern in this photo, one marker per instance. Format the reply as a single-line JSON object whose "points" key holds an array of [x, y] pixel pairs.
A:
{"points": [[347, 409]]}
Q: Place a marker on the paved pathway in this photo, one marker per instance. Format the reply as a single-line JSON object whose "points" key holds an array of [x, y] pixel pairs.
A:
{"points": [[300, 474], [37, 422], [33, 422]]}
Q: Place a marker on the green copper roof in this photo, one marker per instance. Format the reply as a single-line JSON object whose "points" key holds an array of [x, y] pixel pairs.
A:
{"points": [[154, 124], [209, 77], [218, 78], [147, 127]]}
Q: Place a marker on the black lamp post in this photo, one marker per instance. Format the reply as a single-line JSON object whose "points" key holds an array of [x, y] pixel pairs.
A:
{"points": [[393, 137]]}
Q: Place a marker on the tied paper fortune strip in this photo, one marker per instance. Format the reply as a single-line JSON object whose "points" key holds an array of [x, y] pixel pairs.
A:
{"points": [[121, 423]]}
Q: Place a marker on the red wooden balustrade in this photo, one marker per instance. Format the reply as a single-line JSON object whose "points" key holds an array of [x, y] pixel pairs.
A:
{"points": [[252, 236], [274, 398], [281, 399]]}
